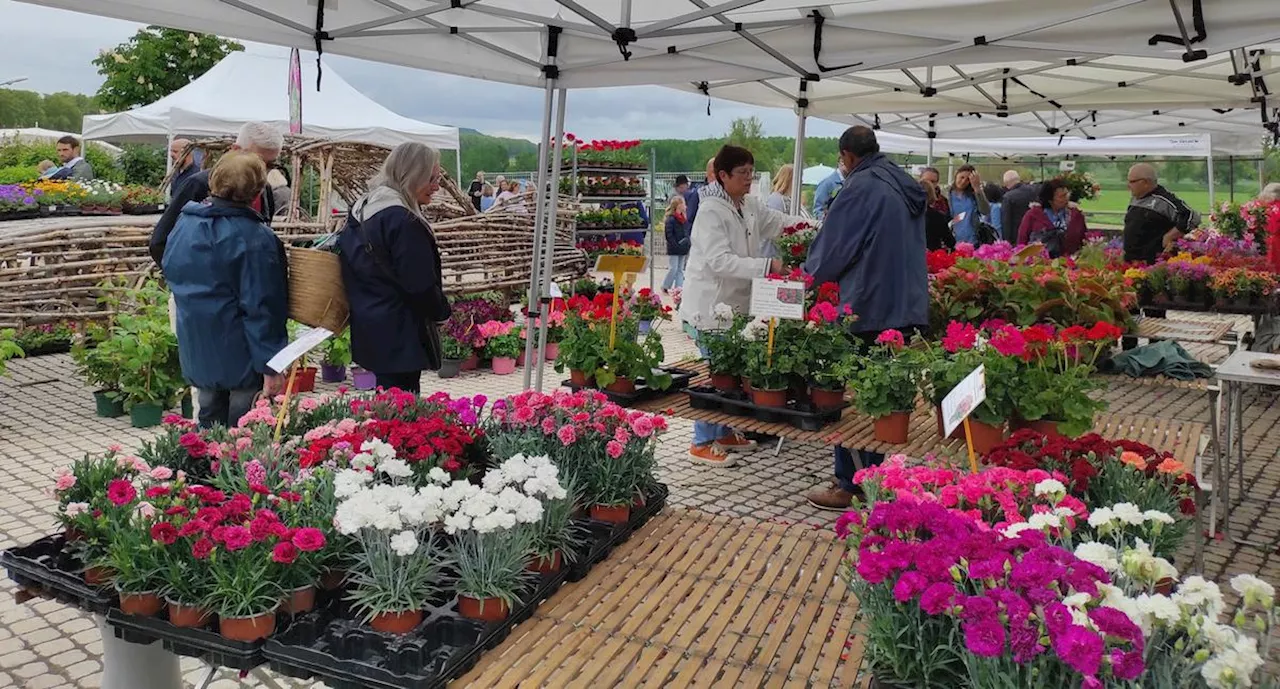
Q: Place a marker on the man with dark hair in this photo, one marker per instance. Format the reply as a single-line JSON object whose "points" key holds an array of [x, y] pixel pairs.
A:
{"points": [[873, 245], [681, 186], [931, 175], [74, 166]]}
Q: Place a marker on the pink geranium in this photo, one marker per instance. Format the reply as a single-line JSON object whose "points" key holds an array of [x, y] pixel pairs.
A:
{"points": [[959, 336], [892, 339]]}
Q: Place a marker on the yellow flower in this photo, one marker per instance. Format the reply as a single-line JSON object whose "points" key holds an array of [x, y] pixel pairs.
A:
{"points": [[1135, 274]]}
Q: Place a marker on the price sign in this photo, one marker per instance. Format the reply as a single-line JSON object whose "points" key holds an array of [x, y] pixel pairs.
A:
{"points": [[960, 403], [618, 266]]}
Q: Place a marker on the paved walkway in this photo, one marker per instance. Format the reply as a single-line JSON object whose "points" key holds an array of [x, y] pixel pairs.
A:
{"points": [[46, 420]]}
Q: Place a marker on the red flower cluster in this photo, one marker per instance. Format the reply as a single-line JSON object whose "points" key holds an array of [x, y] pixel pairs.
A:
{"points": [[610, 246], [939, 260], [427, 438], [318, 450], [232, 524], [603, 144]]}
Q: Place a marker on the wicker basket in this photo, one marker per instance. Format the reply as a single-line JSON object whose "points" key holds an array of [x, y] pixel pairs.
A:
{"points": [[316, 294]]}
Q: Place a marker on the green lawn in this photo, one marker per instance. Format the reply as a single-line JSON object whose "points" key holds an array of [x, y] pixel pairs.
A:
{"points": [[1117, 200]]}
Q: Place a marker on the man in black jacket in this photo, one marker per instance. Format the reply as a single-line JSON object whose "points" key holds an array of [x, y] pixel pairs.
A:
{"points": [[1018, 198], [1155, 218], [258, 138]]}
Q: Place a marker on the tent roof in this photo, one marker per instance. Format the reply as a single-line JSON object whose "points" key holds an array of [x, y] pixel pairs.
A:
{"points": [[246, 87], [1191, 144], [28, 134]]}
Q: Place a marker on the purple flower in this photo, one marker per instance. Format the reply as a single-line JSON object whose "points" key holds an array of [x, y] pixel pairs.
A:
{"points": [[1079, 648], [1112, 622], [1127, 666], [937, 598], [1024, 639], [985, 637], [909, 584]]}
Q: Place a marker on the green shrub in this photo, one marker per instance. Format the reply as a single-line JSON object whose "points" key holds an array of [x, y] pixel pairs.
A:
{"points": [[19, 153], [142, 164], [17, 174]]}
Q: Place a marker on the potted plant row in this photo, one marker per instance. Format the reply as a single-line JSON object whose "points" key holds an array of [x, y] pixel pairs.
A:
{"points": [[142, 200], [585, 349], [608, 153], [610, 219]]}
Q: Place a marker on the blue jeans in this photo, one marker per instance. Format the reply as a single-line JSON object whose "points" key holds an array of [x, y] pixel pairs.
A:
{"points": [[704, 432], [675, 274], [845, 467]]}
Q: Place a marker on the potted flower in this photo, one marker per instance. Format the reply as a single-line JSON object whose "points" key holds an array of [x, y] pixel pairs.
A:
{"points": [[725, 349], [631, 360], [82, 492], [185, 544], [246, 548], [793, 244], [149, 374], [825, 348], [1051, 392], [98, 369], [556, 537], [494, 537], [141, 200], [647, 307], [453, 353], [337, 357], [502, 344], [770, 374], [885, 383], [132, 555]]}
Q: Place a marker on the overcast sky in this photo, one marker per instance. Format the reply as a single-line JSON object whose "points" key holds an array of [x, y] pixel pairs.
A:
{"points": [[52, 48]]}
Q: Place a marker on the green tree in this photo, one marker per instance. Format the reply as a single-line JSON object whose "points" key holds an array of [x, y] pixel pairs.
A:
{"points": [[20, 108], [154, 63]]}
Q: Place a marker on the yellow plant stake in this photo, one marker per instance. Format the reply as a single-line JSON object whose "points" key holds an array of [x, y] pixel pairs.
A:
{"points": [[968, 441], [284, 406], [618, 266], [773, 324]]}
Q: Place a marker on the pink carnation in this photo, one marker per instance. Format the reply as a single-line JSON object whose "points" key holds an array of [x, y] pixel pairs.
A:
{"points": [[614, 449], [567, 434], [161, 473], [64, 482]]}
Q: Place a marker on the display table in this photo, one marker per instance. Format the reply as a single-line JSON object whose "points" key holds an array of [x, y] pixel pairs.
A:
{"points": [[1234, 375]]}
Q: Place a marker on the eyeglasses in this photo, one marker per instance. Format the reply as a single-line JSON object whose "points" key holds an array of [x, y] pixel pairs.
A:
{"points": [[743, 172]]}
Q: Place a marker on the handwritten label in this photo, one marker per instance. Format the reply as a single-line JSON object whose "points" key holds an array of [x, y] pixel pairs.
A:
{"points": [[961, 401], [777, 299]]}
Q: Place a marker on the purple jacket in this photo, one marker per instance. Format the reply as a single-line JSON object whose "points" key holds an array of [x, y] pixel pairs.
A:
{"points": [[1036, 220]]}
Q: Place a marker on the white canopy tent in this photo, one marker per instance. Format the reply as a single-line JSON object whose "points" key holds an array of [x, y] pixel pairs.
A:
{"points": [[246, 87], [815, 174], [40, 134], [987, 57]]}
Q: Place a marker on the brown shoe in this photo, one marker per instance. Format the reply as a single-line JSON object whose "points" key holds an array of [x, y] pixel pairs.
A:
{"points": [[712, 455], [736, 442], [830, 497]]}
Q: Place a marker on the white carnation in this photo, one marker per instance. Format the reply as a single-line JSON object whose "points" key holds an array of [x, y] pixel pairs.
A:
{"points": [[363, 461], [1197, 594], [404, 543], [1128, 513], [395, 468], [1099, 554], [438, 475], [1157, 517], [1044, 520], [348, 482], [1050, 487], [1012, 530], [1101, 517], [1252, 588]]}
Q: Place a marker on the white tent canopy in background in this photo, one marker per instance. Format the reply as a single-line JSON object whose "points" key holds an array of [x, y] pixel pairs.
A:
{"points": [[247, 87], [40, 134], [1168, 145], [815, 174]]}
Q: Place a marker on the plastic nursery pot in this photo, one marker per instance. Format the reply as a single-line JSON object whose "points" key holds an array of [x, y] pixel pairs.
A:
{"points": [[985, 436], [187, 407], [305, 380], [957, 433], [363, 380], [503, 365], [553, 351], [826, 400], [146, 604], [645, 327], [724, 382], [72, 534], [188, 616], [146, 415], [248, 629], [483, 609], [893, 428], [331, 373], [97, 576], [520, 360], [299, 600], [614, 514], [333, 579], [450, 368], [769, 398], [106, 407], [471, 363], [580, 378], [396, 622], [622, 385], [545, 565]]}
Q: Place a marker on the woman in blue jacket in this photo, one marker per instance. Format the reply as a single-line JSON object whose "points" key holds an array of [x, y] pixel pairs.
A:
{"points": [[968, 198], [227, 273], [677, 244], [391, 269]]}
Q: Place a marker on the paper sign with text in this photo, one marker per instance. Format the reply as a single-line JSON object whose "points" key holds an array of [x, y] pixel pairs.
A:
{"points": [[960, 402], [777, 299], [307, 341]]}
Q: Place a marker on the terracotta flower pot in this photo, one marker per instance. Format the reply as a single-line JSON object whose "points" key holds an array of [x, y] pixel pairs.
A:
{"points": [[248, 629], [504, 366], [957, 433], [520, 359], [826, 400], [614, 514], [333, 579], [484, 609], [893, 428], [396, 622], [725, 382], [471, 363], [1047, 428], [623, 386], [546, 565], [580, 378], [553, 351], [1164, 586], [769, 398], [305, 380], [147, 604], [746, 385], [299, 600], [188, 616], [985, 436], [97, 576]]}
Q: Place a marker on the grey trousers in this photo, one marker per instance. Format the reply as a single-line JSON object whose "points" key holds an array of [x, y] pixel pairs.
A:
{"points": [[173, 325]]}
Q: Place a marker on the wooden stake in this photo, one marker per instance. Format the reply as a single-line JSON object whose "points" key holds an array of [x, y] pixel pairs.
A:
{"points": [[773, 323], [284, 405], [968, 441]]}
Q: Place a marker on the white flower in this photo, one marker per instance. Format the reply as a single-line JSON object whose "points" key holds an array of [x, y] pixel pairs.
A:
{"points": [[1044, 520], [74, 509], [1012, 530], [723, 314], [379, 449], [404, 543], [1050, 487], [1233, 667], [1220, 636], [456, 522], [395, 468], [1101, 517], [1099, 554], [756, 330], [1253, 589], [1197, 594], [438, 475], [1159, 608], [348, 482], [1076, 600], [529, 512], [1128, 513], [363, 461], [1157, 517], [494, 481]]}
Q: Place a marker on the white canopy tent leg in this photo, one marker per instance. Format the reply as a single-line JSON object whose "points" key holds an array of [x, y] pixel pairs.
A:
{"points": [[797, 161], [549, 241], [929, 160], [1262, 175], [535, 262], [458, 152], [1210, 159]]}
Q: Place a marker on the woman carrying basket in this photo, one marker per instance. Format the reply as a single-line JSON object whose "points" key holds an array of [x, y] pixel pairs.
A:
{"points": [[391, 270]]}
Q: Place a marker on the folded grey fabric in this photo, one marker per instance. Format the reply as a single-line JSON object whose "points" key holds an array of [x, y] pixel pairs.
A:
{"points": [[1163, 358]]}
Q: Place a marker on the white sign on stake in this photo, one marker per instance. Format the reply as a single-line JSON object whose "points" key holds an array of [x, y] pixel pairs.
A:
{"points": [[960, 402], [777, 299], [307, 341]]}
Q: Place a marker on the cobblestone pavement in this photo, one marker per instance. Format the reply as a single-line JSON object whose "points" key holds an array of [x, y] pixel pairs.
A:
{"points": [[46, 419]]}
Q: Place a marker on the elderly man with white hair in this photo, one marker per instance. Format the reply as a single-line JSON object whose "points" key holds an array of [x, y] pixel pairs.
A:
{"points": [[1018, 197], [1156, 218]]}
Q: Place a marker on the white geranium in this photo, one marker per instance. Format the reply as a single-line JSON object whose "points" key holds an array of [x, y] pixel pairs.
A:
{"points": [[756, 330], [1253, 589], [395, 468], [1099, 554], [1050, 487], [404, 543], [723, 314]]}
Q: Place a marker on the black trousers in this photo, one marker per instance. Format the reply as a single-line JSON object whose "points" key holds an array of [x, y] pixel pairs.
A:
{"points": [[410, 381]]}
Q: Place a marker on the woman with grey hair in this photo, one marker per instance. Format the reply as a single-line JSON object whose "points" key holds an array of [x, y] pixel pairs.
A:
{"points": [[391, 269]]}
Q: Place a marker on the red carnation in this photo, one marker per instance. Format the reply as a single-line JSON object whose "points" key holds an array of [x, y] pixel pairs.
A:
{"points": [[201, 548], [284, 553], [308, 539], [121, 492], [164, 532]]}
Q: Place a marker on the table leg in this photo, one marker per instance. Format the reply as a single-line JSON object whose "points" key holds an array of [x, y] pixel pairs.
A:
{"points": [[265, 679], [1229, 393], [208, 678], [136, 666]]}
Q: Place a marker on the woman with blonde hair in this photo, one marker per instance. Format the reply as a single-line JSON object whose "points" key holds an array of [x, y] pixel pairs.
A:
{"points": [[780, 199], [226, 270], [391, 269], [677, 243], [937, 226]]}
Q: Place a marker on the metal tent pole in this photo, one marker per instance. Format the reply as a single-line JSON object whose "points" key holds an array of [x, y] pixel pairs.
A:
{"points": [[1231, 178], [529, 348], [1211, 185], [797, 161], [459, 160], [552, 192], [1262, 174], [653, 199]]}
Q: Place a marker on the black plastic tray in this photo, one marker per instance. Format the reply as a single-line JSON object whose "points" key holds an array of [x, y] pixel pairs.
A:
{"points": [[49, 348], [46, 569], [801, 416], [330, 644], [680, 378], [204, 642], [1199, 306]]}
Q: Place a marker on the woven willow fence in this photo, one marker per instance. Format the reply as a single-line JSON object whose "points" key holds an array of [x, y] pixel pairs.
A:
{"points": [[52, 270]]}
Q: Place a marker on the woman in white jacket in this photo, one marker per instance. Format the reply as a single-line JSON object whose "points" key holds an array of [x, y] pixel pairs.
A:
{"points": [[728, 234]]}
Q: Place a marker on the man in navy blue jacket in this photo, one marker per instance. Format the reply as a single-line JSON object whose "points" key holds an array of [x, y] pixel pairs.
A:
{"points": [[872, 244], [691, 198]]}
